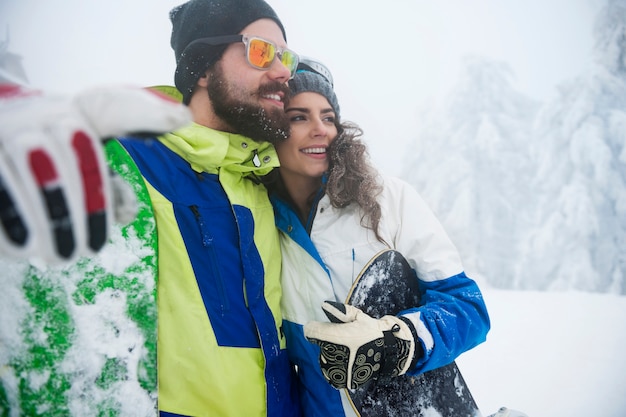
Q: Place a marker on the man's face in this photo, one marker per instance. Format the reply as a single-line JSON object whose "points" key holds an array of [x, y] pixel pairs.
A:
{"points": [[249, 100]]}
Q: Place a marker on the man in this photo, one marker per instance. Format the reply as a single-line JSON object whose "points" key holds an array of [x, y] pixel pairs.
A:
{"points": [[221, 351]]}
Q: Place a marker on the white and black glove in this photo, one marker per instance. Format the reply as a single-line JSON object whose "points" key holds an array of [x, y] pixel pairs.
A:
{"points": [[56, 191], [356, 348]]}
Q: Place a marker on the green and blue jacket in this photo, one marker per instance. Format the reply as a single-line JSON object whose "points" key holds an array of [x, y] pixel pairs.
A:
{"points": [[220, 351]]}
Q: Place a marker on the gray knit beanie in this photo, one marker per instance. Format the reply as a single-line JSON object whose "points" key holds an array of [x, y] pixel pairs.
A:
{"points": [[314, 77], [203, 19]]}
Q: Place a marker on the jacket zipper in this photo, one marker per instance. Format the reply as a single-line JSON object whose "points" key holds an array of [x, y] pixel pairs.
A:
{"points": [[209, 243]]}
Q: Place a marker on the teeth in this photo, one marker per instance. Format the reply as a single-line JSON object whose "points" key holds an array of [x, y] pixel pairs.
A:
{"points": [[273, 97], [314, 150]]}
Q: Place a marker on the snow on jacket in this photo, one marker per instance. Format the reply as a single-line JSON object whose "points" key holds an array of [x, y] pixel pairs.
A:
{"points": [[220, 348], [323, 264]]}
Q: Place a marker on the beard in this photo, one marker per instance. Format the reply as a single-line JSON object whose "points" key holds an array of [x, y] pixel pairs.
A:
{"points": [[248, 118]]}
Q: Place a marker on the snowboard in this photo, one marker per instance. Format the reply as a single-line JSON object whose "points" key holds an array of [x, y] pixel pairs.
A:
{"points": [[80, 339], [386, 286]]}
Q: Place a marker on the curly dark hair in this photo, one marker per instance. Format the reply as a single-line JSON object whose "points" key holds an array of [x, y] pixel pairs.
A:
{"points": [[352, 178]]}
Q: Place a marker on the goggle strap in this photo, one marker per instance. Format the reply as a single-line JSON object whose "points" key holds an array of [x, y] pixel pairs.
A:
{"points": [[307, 64]]}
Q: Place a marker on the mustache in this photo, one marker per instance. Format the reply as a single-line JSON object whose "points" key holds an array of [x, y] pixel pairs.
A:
{"points": [[275, 87]]}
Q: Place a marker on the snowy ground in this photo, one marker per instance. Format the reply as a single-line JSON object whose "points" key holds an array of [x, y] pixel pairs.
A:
{"points": [[551, 355]]}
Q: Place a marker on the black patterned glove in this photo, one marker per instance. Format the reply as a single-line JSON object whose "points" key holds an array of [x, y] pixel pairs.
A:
{"points": [[356, 347]]}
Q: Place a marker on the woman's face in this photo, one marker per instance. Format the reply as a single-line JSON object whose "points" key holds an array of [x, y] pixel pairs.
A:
{"points": [[312, 122]]}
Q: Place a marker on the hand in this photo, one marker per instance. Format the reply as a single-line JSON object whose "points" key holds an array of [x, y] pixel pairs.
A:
{"points": [[56, 197], [355, 347]]}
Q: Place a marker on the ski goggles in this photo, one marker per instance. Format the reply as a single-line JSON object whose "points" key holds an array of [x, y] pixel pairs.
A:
{"points": [[260, 53], [312, 65]]}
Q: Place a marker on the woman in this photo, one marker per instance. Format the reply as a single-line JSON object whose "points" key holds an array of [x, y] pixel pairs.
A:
{"points": [[336, 213]]}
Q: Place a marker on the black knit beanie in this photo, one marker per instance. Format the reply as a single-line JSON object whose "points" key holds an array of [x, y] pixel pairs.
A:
{"points": [[205, 18], [309, 80]]}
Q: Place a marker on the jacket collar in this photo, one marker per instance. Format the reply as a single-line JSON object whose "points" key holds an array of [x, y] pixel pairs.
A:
{"points": [[209, 150]]}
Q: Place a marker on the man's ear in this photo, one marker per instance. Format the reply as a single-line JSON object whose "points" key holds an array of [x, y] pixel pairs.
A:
{"points": [[203, 81]]}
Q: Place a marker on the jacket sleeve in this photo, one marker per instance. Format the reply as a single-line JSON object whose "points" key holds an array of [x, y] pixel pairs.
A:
{"points": [[452, 317]]}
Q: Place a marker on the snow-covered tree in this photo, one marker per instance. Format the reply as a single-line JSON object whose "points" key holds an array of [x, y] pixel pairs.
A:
{"points": [[472, 166], [580, 238], [534, 197], [11, 69]]}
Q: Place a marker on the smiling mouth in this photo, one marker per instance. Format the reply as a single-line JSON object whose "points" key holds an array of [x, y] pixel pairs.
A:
{"points": [[275, 97], [314, 151]]}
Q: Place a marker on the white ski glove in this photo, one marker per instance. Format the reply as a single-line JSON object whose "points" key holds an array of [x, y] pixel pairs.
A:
{"points": [[355, 347], [56, 194]]}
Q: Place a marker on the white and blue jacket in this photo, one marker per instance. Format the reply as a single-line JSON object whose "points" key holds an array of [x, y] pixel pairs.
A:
{"points": [[322, 260]]}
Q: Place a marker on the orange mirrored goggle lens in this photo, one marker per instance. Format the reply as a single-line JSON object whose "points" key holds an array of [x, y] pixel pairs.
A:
{"points": [[261, 54]]}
